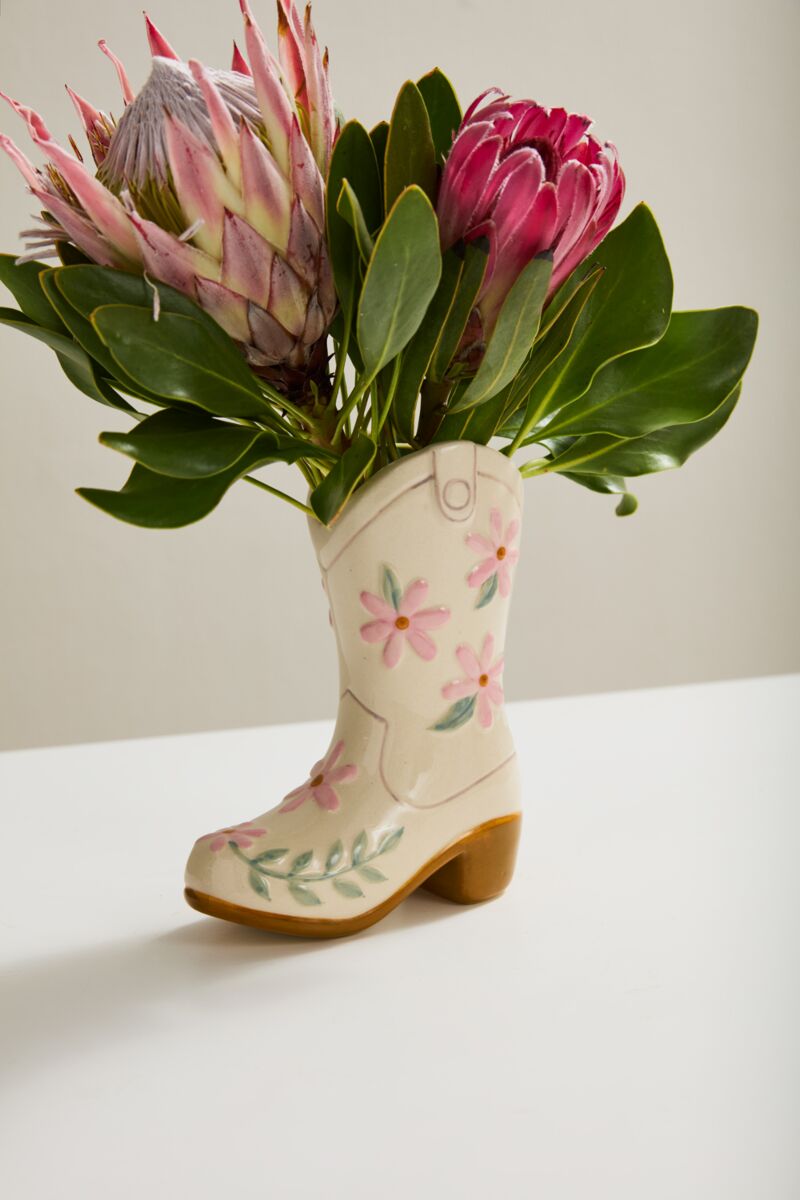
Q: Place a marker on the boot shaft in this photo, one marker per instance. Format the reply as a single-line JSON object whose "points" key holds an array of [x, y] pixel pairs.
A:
{"points": [[418, 573]]}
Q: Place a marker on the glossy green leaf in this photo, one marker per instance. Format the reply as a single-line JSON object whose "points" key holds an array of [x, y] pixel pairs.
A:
{"points": [[23, 281], [475, 260], [62, 343], [354, 160], [193, 445], [683, 378], [175, 358], [332, 494], [514, 333], [401, 280], [662, 450], [628, 309], [84, 333], [610, 485], [410, 153], [547, 349], [158, 501], [419, 352], [444, 111], [88, 287], [349, 208], [379, 136], [346, 888], [84, 374]]}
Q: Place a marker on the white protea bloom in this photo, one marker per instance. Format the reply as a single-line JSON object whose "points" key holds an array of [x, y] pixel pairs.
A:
{"points": [[211, 181]]}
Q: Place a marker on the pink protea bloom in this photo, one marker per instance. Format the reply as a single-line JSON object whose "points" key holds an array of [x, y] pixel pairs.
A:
{"points": [[499, 551], [319, 785], [529, 179], [482, 680], [403, 621], [211, 181], [241, 835]]}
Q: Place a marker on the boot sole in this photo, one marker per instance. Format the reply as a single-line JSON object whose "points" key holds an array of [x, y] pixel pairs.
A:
{"points": [[476, 867]]}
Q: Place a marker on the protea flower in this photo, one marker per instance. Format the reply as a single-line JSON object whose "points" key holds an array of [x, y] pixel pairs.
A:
{"points": [[529, 179], [212, 182]]}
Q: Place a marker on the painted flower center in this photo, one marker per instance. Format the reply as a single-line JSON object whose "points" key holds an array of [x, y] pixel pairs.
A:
{"points": [[402, 623], [483, 680], [501, 552], [317, 780]]}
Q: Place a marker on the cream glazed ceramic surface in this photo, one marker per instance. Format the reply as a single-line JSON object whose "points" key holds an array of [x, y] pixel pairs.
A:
{"points": [[418, 573]]}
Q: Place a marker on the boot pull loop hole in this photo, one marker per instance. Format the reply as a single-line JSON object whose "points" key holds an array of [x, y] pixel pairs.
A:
{"points": [[455, 477]]}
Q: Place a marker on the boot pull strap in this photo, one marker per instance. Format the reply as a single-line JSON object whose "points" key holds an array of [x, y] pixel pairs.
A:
{"points": [[455, 479]]}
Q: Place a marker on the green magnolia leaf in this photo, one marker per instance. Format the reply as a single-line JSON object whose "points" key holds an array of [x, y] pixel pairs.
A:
{"points": [[513, 335], [683, 378], [354, 160], [475, 260], [372, 874], [389, 841], [444, 111], [610, 484], [401, 280], [157, 501], [359, 848], [84, 374], [175, 358], [488, 591], [192, 445], [271, 856], [629, 308], [329, 497], [457, 715], [662, 450], [418, 353], [303, 894], [349, 208], [23, 281], [259, 884], [301, 861], [477, 425], [62, 343], [546, 351], [410, 153], [345, 888], [392, 592], [88, 287], [334, 855], [379, 136]]}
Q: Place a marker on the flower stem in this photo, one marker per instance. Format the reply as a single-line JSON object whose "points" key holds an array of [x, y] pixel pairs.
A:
{"points": [[300, 877], [281, 495]]}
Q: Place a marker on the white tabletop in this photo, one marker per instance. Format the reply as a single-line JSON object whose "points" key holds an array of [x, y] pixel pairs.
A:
{"points": [[623, 1024]]}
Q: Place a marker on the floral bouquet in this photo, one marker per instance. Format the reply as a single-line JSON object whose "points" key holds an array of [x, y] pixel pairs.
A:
{"points": [[419, 316]]}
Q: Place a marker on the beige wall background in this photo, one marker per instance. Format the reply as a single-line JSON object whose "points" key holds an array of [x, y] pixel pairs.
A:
{"points": [[107, 631]]}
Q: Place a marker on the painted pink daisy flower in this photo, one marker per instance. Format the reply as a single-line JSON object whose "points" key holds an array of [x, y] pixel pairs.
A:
{"points": [[319, 785], [400, 618], [481, 684], [499, 553], [241, 835]]}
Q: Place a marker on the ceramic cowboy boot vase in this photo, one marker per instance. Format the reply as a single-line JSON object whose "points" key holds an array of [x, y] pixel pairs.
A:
{"points": [[419, 785]]}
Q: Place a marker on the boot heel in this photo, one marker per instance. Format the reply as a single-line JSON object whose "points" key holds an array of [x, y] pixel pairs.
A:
{"points": [[483, 866]]}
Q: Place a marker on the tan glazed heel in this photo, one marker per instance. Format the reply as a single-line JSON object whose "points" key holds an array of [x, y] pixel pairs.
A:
{"points": [[483, 868], [476, 867]]}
